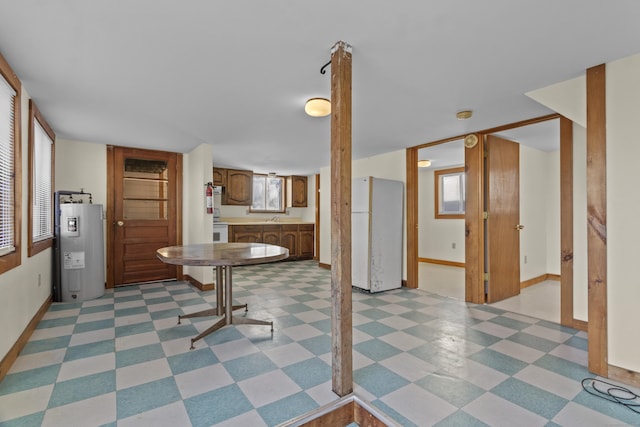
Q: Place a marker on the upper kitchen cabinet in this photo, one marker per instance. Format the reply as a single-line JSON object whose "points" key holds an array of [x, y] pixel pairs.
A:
{"points": [[297, 191], [219, 177], [237, 188]]}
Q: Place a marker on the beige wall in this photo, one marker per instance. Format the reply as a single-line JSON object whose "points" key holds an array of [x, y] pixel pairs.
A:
{"points": [[539, 213], [435, 236], [25, 288], [197, 225], [623, 205], [623, 211]]}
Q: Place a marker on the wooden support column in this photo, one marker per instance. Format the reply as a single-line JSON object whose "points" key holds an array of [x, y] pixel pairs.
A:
{"points": [[341, 308], [412, 217], [566, 222], [597, 220], [474, 222]]}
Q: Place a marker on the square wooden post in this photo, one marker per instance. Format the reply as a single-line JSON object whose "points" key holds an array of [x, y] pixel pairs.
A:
{"points": [[597, 219], [341, 321]]}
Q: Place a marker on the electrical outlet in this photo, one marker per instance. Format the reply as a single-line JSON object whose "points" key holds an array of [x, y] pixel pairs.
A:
{"points": [[525, 259], [39, 279], [453, 245]]}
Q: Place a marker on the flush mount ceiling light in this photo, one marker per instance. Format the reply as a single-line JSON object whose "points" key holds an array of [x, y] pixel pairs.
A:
{"points": [[318, 107], [424, 163], [464, 115]]}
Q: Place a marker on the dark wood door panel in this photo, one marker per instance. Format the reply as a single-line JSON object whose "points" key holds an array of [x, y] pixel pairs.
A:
{"points": [[503, 254], [135, 230], [145, 213]]}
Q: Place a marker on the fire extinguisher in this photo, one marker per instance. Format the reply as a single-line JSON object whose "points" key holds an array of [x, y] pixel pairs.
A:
{"points": [[209, 198]]}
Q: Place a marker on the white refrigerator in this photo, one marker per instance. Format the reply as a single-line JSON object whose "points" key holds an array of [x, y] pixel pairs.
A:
{"points": [[376, 233]]}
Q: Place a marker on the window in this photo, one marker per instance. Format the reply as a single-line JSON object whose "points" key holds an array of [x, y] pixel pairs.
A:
{"points": [[10, 168], [450, 193], [41, 140], [268, 193]]}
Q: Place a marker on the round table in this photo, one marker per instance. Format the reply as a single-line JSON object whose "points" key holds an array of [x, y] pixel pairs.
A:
{"points": [[223, 256]]}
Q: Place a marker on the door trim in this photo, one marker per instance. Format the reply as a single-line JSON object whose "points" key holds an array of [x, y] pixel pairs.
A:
{"points": [[110, 206]]}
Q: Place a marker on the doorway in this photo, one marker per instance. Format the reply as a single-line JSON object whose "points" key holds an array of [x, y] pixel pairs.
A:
{"points": [[474, 264], [537, 292], [143, 214], [441, 241]]}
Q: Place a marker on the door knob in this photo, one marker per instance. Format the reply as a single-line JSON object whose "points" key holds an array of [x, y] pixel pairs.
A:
{"points": [[519, 227], [120, 223]]}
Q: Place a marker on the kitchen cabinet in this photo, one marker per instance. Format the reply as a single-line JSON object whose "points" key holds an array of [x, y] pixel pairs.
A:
{"points": [[298, 238], [219, 177], [307, 244], [289, 238], [271, 234], [238, 188], [246, 234], [297, 191]]}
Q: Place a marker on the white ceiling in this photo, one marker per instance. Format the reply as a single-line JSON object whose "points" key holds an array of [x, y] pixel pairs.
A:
{"points": [[170, 75]]}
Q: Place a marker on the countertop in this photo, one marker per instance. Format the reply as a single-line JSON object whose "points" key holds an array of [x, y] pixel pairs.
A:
{"points": [[260, 221]]}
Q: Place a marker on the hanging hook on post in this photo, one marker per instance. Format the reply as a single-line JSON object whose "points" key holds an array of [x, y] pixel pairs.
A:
{"points": [[323, 69]]}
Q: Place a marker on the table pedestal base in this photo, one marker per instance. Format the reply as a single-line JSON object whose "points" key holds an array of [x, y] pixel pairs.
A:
{"points": [[219, 310], [223, 322], [225, 310]]}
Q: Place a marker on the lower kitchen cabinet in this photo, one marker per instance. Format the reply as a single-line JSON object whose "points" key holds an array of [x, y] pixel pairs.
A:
{"points": [[298, 238], [246, 234], [289, 239], [307, 243], [271, 234]]}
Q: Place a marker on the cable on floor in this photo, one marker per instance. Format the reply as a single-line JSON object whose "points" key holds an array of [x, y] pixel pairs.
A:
{"points": [[612, 393]]}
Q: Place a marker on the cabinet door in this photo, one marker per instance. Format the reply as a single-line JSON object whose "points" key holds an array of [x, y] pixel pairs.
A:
{"points": [[219, 176], [298, 191], [289, 239], [247, 233], [306, 240], [271, 234], [248, 237], [238, 188]]}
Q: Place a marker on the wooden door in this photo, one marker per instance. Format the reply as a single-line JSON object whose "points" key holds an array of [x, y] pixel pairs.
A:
{"points": [[145, 213], [502, 200]]}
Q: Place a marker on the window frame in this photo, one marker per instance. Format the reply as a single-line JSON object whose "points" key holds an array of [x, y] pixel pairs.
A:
{"points": [[36, 247], [283, 194], [13, 259], [437, 174]]}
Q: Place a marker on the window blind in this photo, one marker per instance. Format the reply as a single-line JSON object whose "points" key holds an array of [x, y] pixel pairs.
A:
{"points": [[7, 173], [41, 208]]}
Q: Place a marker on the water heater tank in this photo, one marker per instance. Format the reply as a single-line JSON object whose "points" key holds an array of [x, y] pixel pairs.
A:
{"points": [[81, 252]]}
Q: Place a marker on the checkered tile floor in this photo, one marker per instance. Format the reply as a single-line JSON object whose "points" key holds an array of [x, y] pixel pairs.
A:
{"points": [[420, 358]]}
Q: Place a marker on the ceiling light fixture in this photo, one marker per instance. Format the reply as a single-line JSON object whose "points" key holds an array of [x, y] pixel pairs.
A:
{"points": [[464, 115], [424, 163], [318, 107]]}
